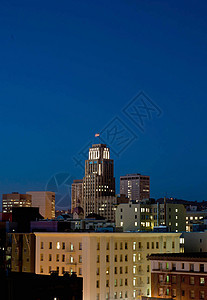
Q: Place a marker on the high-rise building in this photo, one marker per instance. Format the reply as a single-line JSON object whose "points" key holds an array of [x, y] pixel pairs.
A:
{"points": [[99, 181], [15, 200], [113, 265], [77, 194], [135, 186], [45, 201]]}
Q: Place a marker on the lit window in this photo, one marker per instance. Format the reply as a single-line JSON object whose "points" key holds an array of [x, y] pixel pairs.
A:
{"points": [[176, 224], [134, 257], [58, 245], [135, 223], [135, 209], [134, 281], [192, 281], [134, 245], [202, 280], [121, 224], [176, 210], [134, 293]]}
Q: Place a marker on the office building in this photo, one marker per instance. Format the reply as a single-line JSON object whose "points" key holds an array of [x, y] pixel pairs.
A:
{"points": [[180, 276], [45, 201], [113, 265], [15, 200], [99, 181], [77, 194], [135, 186], [135, 216]]}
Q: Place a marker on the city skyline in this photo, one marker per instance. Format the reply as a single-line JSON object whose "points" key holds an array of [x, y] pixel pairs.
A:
{"points": [[62, 184], [71, 70]]}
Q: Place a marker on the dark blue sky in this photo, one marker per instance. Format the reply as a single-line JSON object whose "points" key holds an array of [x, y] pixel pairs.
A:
{"points": [[68, 68]]}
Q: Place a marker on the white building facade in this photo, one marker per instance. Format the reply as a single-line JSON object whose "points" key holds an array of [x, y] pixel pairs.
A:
{"points": [[113, 265]]}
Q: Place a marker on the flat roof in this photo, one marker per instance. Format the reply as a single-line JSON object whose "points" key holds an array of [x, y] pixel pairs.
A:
{"points": [[180, 256]]}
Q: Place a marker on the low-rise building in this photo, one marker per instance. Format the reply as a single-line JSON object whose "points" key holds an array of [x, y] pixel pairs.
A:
{"points": [[144, 216], [181, 276]]}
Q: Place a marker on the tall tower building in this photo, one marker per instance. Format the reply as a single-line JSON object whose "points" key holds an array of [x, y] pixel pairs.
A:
{"points": [[46, 203], [77, 194], [99, 181], [15, 200], [135, 186]]}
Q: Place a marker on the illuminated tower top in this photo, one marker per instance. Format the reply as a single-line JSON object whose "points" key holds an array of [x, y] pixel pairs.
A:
{"points": [[99, 151]]}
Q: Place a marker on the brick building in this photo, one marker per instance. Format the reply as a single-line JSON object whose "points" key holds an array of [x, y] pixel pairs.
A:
{"points": [[181, 276]]}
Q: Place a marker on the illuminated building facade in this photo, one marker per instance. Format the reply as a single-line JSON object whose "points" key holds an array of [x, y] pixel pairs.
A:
{"points": [[142, 216], [113, 265], [135, 186], [15, 200], [45, 201], [179, 276], [23, 252], [77, 194], [194, 218], [99, 181]]}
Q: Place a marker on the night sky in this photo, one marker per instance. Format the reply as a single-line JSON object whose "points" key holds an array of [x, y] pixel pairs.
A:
{"points": [[72, 68]]}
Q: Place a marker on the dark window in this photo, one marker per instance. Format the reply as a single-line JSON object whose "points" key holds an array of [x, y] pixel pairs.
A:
{"points": [[201, 267]]}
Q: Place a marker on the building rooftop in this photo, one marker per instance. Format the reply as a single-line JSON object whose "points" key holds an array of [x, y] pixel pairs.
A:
{"points": [[196, 256], [99, 146]]}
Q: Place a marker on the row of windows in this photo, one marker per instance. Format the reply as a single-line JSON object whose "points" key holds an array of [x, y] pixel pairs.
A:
{"points": [[63, 271], [135, 245], [117, 282], [59, 245], [120, 295], [122, 246], [135, 257], [62, 258], [183, 266], [166, 292]]}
